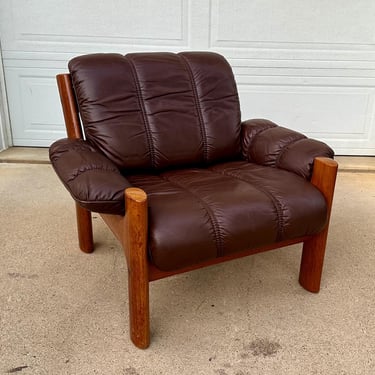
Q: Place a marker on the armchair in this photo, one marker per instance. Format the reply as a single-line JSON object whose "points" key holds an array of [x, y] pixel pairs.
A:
{"points": [[157, 147]]}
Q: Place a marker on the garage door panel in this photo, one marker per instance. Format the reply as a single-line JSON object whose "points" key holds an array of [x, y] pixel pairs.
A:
{"points": [[292, 24], [335, 115], [76, 24], [34, 106]]}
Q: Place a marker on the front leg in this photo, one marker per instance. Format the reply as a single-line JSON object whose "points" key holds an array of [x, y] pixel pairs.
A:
{"points": [[324, 178], [135, 246]]}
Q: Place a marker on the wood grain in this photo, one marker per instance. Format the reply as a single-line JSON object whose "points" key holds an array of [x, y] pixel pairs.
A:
{"points": [[135, 246], [324, 178], [69, 106]]}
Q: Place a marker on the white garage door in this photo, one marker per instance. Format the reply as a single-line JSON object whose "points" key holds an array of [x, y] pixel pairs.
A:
{"points": [[306, 64]]}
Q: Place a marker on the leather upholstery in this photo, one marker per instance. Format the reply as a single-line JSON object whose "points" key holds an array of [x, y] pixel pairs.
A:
{"points": [[158, 110], [265, 143], [201, 213], [93, 180], [170, 124]]}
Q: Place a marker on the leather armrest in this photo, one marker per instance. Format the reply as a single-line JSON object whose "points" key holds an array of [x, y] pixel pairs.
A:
{"points": [[266, 143], [92, 180]]}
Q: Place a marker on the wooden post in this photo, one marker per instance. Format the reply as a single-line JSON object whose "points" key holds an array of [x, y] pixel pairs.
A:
{"points": [[74, 131], [135, 246], [69, 106], [324, 178], [84, 227]]}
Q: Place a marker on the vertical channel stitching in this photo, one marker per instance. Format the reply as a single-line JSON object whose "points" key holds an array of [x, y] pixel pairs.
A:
{"points": [[197, 105], [214, 223], [274, 200], [143, 110]]}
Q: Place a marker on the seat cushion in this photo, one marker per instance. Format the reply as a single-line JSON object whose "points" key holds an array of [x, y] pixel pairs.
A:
{"points": [[201, 214]]}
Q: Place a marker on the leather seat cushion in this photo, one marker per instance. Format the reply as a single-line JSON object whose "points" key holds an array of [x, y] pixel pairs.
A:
{"points": [[199, 214]]}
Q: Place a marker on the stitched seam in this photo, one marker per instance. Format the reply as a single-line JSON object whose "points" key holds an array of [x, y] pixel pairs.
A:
{"points": [[143, 110], [88, 169], [198, 106], [285, 148], [253, 138], [114, 201], [202, 203], [260, 132], [275, 202]]}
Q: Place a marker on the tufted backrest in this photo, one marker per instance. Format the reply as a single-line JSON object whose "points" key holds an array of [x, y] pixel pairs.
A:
{"points": [[158, 110]]}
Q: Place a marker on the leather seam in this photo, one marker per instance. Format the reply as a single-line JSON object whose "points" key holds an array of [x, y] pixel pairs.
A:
{"points": [[114, 201], [254, 137], [88, 169], [285, 148], [275, 202], [198, 106], [202, 203], [143, 110]]}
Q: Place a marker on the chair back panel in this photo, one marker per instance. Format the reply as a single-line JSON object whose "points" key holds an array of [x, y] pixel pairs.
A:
{"points": [[158, 110]]}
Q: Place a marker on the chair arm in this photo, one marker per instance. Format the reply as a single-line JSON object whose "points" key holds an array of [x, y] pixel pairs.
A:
{"points": [[266, 143], [92, 180]]}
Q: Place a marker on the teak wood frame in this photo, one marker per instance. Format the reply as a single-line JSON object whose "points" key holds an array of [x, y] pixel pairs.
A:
{"points": [[131, 231]]}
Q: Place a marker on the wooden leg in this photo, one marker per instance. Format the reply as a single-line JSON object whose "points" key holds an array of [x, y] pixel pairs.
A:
{"points": [[84, 226], [324, 178], [135, 244], [312, 262]]}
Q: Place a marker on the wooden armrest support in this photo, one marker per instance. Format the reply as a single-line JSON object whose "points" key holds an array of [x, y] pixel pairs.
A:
{"points": [[135, 246], [324, 178], [131, 231]]}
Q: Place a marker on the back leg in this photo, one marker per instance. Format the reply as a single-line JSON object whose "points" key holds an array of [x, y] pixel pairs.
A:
{"points": [[84, 226]]}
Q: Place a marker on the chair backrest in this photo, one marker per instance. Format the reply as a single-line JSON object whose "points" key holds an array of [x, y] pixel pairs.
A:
{"points": [[158, 110]]}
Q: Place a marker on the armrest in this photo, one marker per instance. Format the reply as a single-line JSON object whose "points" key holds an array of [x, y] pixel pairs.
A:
{"points": [[266, 143], [92, 180]]}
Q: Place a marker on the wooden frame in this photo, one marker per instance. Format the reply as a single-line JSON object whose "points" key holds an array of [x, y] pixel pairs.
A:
{"points": [[131, 231]]}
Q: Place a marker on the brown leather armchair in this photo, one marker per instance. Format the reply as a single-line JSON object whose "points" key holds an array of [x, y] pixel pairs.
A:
{"points": [[163, 156]]}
